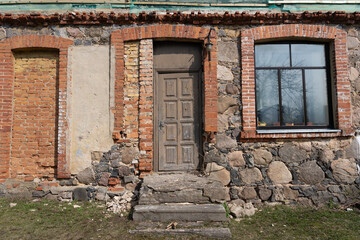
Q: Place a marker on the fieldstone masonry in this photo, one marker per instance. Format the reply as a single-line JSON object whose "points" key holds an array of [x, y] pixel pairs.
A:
{"points": [[302, 169]]}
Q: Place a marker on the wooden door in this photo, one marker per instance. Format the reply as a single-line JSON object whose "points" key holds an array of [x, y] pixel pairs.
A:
{"points": [[178, 121]]}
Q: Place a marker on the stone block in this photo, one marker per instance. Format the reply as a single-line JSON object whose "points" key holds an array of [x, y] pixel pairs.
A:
{"points": [[344, 170], [164, 213], [186, 195], [262, 157], [218, 173], [124, 171], [86, 176], [231, 89], [251, 175], [242, 209], [264, 193], [236, 159], [354, 74], [279, 173], [130, 179], [326, 155], [219, 194], [225, 142], [216, 233], [40, 194], [248, 193], [212, 156], [228, 52], [104, 179], [290, 153], [224, 73], [115, 163], [128, 154], [80, 194], [65, 195], [289, 193], [223, 122], [352, 42], [75, 32], [311, 173], [225, 102], [352, 150], [322, 198]]}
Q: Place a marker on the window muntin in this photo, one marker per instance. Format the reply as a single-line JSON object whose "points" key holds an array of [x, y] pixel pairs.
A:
{"points": [[292, 85]]}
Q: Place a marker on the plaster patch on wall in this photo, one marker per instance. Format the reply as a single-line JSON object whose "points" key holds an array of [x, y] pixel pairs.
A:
{"points": [[90, 106]]}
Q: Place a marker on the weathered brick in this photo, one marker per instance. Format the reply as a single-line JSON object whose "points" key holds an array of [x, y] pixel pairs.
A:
{"points": [[7, 78]]}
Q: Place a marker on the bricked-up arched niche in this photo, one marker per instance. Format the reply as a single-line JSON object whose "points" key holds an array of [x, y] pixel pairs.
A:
{"points": [[145, 34], [337, 39], [9, 54]]}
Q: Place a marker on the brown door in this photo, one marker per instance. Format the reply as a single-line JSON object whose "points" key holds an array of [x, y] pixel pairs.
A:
{"points": [[177, 117], [178, 121]]}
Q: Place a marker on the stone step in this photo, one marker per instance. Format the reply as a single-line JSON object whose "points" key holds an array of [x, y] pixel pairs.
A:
{"points": [[180, 212], [220, 233], [181, 188]]}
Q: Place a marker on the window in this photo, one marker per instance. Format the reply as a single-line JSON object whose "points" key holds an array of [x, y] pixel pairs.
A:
{"points": [[292, 85]]}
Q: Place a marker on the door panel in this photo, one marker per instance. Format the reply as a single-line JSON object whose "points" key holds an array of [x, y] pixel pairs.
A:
{"points": [[178, 121]]}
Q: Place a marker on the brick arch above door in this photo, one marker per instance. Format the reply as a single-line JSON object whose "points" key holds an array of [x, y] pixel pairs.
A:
{"points": [[6, 94], [172, 32]]}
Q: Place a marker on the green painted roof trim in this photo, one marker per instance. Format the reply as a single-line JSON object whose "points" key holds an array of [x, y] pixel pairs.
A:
{"points": [[320, 7], [136, 6]]}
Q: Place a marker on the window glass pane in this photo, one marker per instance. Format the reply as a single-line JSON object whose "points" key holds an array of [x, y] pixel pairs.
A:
{"points": [[267, 98], [308, 55], [316, 97], [292, 97], [272, 55]]}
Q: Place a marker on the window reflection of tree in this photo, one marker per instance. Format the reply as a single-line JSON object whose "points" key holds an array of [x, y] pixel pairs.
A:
{"points": [[267, 96], [292, 96]]}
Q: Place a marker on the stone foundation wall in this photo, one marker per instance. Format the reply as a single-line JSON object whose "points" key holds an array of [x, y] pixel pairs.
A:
{"points": [[304, 172]]}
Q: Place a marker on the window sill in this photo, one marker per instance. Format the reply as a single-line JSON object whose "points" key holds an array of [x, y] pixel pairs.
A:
{"points": [[287, 131]]}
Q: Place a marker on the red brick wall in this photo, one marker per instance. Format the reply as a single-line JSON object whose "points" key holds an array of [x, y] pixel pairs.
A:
{"points": [[146, 76], [33, 139], [6, 95], [333, 35]]}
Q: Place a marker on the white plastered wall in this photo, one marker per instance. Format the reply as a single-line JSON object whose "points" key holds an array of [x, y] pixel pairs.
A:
{"points": [[90, 98]]}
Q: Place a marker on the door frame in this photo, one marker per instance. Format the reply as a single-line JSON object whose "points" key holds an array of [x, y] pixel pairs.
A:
{"points": [[158, 71]]}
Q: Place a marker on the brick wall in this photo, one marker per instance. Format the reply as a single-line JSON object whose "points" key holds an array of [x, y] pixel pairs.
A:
{"points": [[34, 128], [131, 91], [6, 94], [146, 105]]}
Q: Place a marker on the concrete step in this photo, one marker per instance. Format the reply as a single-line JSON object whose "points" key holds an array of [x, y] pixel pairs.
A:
{"points": [[220, 233], [180, 212]]}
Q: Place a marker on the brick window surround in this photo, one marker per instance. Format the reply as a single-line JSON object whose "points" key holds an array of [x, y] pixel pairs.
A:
{"points": [[166, 31], [340, 72], [6, 95]]}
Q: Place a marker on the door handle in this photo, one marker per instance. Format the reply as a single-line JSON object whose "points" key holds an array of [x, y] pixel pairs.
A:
{"points": [[161, 125]]}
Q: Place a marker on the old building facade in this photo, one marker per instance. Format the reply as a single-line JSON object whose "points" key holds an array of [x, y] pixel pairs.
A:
{"points": [[266, 101]]}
